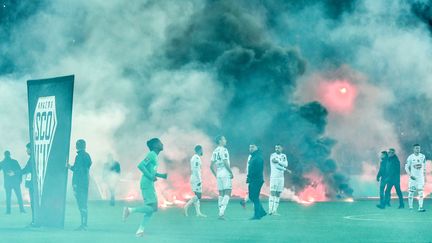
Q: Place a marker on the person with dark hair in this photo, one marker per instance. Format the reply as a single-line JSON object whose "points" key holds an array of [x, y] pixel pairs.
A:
{"points": [[393, 178], [12, 180], [223, 174], [255, 179], [27, 171], [278, 166], [415, 167], [80, 180], [196, 182], [111, 175], [382, 178], [148, 168]]}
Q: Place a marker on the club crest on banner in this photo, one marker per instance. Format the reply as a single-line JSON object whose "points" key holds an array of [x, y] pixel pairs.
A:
{"points": [[44, 129]]}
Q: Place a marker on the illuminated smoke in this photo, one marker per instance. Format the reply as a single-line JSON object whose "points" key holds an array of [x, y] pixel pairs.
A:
{"points": [[316, 190], [187, 71], [337, 95]]}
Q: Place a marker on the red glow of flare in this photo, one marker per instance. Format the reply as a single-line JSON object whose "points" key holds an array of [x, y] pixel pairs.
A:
{"points": [[338, 95], [176, 191], [315, 191]]}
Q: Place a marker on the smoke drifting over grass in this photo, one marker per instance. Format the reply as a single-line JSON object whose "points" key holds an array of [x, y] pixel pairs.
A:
{"points": [[187, 71]]}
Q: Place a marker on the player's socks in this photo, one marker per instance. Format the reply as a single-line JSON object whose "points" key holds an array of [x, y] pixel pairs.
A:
{"points": [[276, 204], [187, 205], [144, 222], [420, 200], [220, 199], [198, 209], [225, 201], [410, 199], [271, 204]]}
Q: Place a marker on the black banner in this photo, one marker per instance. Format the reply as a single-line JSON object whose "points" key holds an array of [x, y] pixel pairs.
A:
{"points": [[50, 120]]}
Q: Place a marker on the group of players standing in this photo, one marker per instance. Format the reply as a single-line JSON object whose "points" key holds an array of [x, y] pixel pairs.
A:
{"points": [[220, 168], [255, 165], [389, 177]]}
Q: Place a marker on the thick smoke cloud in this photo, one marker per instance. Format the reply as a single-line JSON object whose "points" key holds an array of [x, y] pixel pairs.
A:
{"points": [[187, 71], [258, 76]]}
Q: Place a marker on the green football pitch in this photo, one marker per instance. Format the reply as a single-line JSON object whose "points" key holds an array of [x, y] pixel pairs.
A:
{"points": [[359, 221]]}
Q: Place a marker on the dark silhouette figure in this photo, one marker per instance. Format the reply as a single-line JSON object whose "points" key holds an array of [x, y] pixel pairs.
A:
{"points": [[12, 180], [255, 179]]}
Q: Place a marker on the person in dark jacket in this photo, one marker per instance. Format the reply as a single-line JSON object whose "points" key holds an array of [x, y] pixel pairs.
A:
{"points": [[28, 171], [382, 177], [80, 180], [393, 178], [255, 179], [12, 180]]}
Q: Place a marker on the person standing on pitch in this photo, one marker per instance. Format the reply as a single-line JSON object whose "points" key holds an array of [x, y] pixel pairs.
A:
{"points": [[27, 171], [148, 168], [415, 167], [224, 175], [111, 176], [255, 179], [246, 198], [196, 182], [382, 177], [80, 180], [278, 165], [393, 178], [12, 180]]}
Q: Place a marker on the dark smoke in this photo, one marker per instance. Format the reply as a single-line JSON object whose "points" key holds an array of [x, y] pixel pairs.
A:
{"points": [[189, 70], [411, 119], [423, 10], [259, 77]]}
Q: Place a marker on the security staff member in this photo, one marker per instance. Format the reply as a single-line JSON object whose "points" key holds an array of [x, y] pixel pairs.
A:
{"points": [[80, 180]]}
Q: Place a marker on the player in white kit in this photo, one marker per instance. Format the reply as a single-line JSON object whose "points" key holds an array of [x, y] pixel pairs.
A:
{"points": [[223, 174], [415, 167], [196, 182], [278, 165]]}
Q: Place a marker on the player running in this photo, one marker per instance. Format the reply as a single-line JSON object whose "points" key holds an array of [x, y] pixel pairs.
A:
{"points": [[196, 182], [148, 168], [278, 165], [224, 175], [416, 169]]}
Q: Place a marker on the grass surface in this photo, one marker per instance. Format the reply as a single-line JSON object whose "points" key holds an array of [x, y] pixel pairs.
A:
{"points": [[359, 221]]}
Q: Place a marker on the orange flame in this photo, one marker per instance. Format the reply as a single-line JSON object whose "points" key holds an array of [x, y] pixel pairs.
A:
{"points": [[315, 191]]}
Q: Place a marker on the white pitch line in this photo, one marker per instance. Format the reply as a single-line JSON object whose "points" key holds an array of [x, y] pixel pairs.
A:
{"points": [[359, 218]]}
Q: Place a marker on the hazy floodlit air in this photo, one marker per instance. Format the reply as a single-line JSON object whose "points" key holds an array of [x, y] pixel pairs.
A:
{"points": [[215, 120]]}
